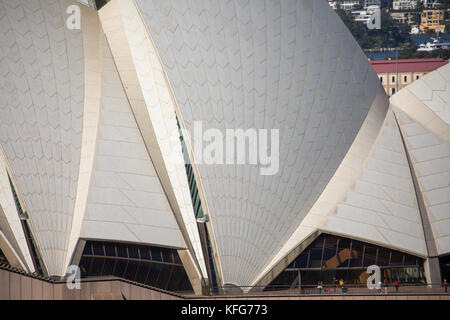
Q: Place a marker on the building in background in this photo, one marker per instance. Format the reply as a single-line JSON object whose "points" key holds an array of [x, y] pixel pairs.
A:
{"points": [[90, 175], [366, 15], [404, 4], [432, 20], [432, 4], [349, 4], [368, 3], [403, 17], [396, 74]]}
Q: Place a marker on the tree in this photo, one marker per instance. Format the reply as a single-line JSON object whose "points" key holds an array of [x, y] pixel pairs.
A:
{"points": [[392, 34], [444, 4], [419, 6]]}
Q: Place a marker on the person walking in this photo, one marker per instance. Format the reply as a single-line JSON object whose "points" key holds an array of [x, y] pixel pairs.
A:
{"points": [[396, 285], [444, 284], [341, 284], [319, 287]]}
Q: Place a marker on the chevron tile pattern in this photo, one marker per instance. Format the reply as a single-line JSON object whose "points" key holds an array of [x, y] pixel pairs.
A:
{"points": [[431, 161], [382, 206], [380, 203], [427, 102], [434, 92], [152, 103], [87, 119], [41, 96], [289, 65], [10, 223], [126, 200], [426, 128], [93, 39]]}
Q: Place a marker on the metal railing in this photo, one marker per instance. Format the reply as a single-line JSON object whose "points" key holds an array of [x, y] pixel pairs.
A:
{"points": [[415, 289], [331, 289]]}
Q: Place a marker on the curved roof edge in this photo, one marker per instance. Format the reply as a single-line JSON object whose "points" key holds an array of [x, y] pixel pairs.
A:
{"points": [[341, 181]]}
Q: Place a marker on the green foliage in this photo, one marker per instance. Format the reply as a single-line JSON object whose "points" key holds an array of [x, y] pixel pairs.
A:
{"points": [[419, 6], [391, 35], [444, 4]]}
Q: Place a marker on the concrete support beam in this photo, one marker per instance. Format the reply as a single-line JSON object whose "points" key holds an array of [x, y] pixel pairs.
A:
{"points": [[153, 106], [10, 254], [196, 279], [433, 272]]}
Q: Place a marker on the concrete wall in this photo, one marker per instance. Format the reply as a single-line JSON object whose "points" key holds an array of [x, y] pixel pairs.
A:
{"points": [[16, 286]]}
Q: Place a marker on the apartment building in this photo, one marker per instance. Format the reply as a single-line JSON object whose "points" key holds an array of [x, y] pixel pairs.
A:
{"points": [[432, 20]]}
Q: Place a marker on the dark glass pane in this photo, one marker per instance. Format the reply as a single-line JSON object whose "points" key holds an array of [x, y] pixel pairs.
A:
{"points": [[356, 277], [301, 261], [410, 260], [343, 252], [177, 279], [148, 277], [356, 254], [185, 285], [167, 255], [164, 277], [131, 270], [87, 249], [310, 278], [155, 270], [156, 254], [110, 250], [133, 262], [284, 280], [410, 275], [176, 257], [370, 255], [422, 275], [342, 274], [120, 268], [108, 268], [98, 249], [85, 266], [133, 252], [347, 265], [329, 252], [122, 250], [444, 262], [315, 253], [383, 257], [144, 253], [315, 257], [142, 271], [327, 276], [396, 258], [97, 267]]}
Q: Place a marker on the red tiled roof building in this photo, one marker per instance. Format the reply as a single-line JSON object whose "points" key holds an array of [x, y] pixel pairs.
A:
{"points": [[396, 74]]}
